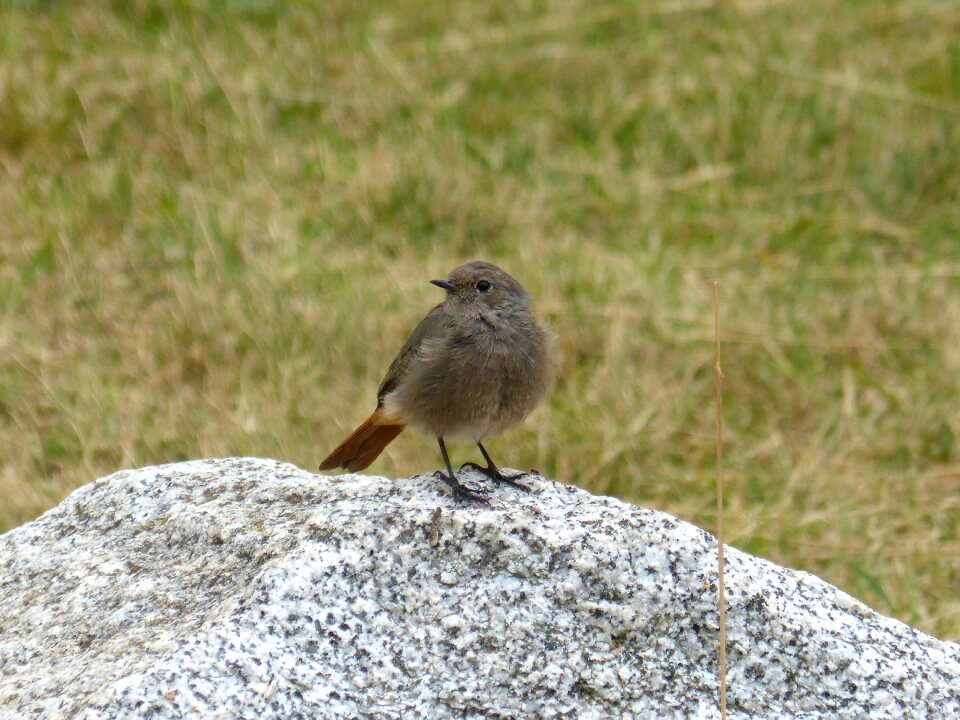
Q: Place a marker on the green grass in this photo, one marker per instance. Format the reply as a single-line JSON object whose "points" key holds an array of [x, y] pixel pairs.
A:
{"points": [[218, 220]]}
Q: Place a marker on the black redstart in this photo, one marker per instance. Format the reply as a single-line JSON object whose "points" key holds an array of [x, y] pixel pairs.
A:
{"points": [[477, 364]]}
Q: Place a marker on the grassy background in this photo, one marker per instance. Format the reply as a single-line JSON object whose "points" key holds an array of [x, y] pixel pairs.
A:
{"points": [[218, 220]]}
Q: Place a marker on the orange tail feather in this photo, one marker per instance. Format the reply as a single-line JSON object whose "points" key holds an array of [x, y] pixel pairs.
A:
{"points": [[364, 444]]}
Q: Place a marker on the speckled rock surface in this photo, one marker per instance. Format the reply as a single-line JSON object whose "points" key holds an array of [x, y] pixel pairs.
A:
{"points": [[247, 588]]}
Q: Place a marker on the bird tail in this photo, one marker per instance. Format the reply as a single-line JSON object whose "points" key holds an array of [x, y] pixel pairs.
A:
{"points": [[365, 443]]}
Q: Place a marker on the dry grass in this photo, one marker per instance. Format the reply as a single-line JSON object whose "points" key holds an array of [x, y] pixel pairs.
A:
{"points": [[218, 221]]}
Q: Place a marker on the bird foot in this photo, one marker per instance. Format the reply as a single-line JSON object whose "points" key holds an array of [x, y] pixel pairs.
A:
{"points": [[497, 476], [461, 491]]}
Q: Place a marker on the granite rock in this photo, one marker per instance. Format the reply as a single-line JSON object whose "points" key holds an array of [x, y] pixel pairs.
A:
{"points": [[247, 588]]}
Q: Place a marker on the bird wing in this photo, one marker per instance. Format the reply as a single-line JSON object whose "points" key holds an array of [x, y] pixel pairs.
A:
{"points": [[431, 327]]}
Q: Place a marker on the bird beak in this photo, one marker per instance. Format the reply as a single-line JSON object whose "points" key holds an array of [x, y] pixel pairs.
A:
{"points": [[445, 284]]}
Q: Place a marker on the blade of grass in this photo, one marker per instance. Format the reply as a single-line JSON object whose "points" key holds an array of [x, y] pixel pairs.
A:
{"points": [[720, 559]]}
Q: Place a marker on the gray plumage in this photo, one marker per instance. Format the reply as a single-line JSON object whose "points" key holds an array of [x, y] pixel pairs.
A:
{"points": [[477, 364]]}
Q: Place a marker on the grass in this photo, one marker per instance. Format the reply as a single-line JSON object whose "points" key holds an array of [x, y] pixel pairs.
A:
{"points": [[219, 219]]}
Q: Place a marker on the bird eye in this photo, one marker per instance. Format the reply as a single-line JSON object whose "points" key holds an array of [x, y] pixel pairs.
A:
{"points": [[483, 286]]}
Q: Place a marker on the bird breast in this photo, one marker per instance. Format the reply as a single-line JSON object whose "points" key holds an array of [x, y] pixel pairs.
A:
{"points": [[475, 380]]}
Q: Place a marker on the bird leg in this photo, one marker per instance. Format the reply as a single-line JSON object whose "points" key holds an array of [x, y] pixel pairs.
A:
{"points": [[494, 474], [460, 491]]}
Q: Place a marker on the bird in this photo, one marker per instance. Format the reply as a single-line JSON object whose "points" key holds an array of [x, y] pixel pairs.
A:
{"points": [[476, 365]]}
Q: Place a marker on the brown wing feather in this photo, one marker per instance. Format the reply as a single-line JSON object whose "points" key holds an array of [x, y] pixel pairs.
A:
{"points": [[431, 326], [376, 432]]}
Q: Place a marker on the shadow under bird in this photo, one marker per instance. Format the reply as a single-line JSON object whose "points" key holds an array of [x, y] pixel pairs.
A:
{"points": [[476, 365]]}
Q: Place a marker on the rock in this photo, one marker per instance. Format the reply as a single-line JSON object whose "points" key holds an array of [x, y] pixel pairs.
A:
{"points": [[247, 588]]}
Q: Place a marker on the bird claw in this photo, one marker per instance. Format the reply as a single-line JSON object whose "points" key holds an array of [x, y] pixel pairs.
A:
{"points": [[512, 481], [497, 476], [461, 491]]}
